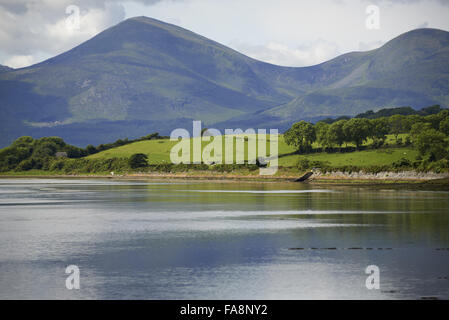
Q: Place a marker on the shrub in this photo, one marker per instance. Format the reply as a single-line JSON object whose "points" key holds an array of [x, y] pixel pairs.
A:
{"points": [[303, 164], [138, 160], [25, 165], [402, 163], [408, 141], [439, 166], [57, 165]]}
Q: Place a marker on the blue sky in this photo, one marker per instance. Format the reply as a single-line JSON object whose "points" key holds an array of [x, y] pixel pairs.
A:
{"points": [[284, 32]]}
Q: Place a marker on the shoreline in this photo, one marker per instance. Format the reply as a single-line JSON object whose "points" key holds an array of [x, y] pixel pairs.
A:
{"points": [[335, 178]]}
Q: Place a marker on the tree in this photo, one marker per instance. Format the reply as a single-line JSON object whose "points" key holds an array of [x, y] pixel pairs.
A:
{"points": [[26, 165], [434, 120], [90, 149], [430, 142], [25, 141], [397, 125], [47, 146], [411, 120], [75, 152], [321, 129], [335, 134], [357, 130], [444, 126], [379, 130], [417, 128], [138, 160], [301, 135]]}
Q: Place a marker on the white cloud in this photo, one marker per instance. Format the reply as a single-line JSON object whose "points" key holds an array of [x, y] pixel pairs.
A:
{"points": [[39, 29], [19, 61], [286, 32], [367, 46], [423, 25], [281, 54]]}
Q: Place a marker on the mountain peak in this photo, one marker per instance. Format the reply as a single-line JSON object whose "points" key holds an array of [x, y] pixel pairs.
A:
{"points": [[151, 21], [424, 32], [142, 35], [424, 38], [145, 19]]}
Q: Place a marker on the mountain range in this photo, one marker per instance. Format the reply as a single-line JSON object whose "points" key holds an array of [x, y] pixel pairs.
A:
{"points": [[143, 75]]}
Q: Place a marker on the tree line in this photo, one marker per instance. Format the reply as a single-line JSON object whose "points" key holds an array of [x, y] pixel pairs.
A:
{"points": [[27, 153], [388, 112], [428, 134]]}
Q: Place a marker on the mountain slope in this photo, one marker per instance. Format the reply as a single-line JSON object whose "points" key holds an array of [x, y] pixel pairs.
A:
{"points": [[144, 75], [410, 70], [145, 69], [139, 70], [5, 68]]}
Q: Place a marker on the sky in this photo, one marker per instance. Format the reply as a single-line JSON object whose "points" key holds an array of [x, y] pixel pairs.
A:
{"points": [[284, 32]]}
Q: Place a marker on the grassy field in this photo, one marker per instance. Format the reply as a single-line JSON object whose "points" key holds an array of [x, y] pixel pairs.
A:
{"points": [[158, 152], [359, 158]]}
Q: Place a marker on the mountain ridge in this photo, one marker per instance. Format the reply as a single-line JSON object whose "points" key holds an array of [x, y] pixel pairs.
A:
{"points": [[144, 75], [5, 68]]}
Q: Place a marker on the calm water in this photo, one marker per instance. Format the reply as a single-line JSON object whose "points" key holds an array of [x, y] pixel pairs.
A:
{"points": [[191, 240]]}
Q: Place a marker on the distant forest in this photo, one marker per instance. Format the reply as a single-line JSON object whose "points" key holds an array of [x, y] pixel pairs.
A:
{"points": [[388, 112]]}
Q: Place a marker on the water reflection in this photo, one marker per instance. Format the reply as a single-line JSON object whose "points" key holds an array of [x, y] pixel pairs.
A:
{"points": [[181, 240]]}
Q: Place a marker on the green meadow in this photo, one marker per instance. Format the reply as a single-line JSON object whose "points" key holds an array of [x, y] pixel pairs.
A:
{"points": [[158, 152]]}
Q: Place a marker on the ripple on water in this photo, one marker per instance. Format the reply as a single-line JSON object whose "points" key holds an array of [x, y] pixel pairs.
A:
{"points": [[264, 191]]}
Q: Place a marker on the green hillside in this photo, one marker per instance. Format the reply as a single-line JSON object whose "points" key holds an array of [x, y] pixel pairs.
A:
{"points": [[158, 152]]}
